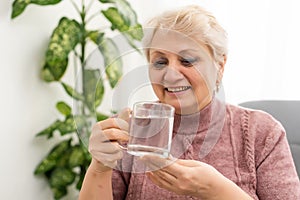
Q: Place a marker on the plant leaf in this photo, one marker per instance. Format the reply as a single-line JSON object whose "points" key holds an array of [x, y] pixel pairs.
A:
{"points": [[84, 166], [72, 124], [131, 42], [117, 21], [72, 92], [135, 32], [49, 130], [45, 2], [101, 116], [124, 11], [46, 165], [63, 40], [111, 55], [80, 121], [80, 181], [61, 177], [107, 1], [123, 18], [76, 157], [20, 5], [63, 160], [67, 126], [63, 108], [96, 36], [50, 161], [59, 192], [93, 88], [112, 60], [46, 75]]}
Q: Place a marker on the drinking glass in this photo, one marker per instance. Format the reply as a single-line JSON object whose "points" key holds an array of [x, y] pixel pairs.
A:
{"points": [[151, 128]]}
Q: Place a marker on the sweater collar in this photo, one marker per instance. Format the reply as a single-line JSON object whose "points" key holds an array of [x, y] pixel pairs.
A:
{"points": [[199, 121]]}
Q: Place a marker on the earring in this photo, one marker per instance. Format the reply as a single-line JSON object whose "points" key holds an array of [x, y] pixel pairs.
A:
{"points": [[217, 86], [218, 81]]}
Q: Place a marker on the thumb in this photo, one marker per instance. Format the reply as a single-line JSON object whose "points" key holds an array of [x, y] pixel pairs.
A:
{"points": [[188, 163]]}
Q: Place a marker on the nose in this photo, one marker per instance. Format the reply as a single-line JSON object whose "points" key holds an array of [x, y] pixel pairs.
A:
{"points": [[172, 73]]}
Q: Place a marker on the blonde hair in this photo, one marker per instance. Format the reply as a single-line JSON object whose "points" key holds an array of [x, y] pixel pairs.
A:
{"points": [[194, 22]]}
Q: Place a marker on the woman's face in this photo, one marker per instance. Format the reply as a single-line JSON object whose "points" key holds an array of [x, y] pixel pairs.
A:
{"points": [[182, 71]]}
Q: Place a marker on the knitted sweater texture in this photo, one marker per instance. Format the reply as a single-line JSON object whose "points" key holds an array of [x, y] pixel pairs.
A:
{"points": [[247, 146]]}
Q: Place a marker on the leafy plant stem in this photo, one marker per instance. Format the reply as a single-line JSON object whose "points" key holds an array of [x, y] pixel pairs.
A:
{"points": [[92, 16], [83, 45], [77, 56], [90, 5], [75, 6], [66, 163]]}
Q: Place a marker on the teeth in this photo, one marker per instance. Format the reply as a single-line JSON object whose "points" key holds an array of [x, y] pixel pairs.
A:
{"points": [[178, 89]]}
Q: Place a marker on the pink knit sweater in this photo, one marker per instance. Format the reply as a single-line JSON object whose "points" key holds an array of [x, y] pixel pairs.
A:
{"points": [[249, 147]]}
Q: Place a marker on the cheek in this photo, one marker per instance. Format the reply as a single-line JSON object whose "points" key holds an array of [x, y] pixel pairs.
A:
{"points": [[155, 76], [203, 78], [158, 90], [198, 83], [194, 76]]}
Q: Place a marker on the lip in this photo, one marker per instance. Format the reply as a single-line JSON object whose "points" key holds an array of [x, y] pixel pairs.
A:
{"points": [[174, 91]]}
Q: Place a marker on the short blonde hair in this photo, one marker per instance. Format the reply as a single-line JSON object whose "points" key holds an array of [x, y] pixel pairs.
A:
{"points": [[192, 21]]}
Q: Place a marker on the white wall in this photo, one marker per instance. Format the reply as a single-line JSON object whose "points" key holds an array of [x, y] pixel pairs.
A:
{"points": [[263, 63], [263, 45], [27, 103]]}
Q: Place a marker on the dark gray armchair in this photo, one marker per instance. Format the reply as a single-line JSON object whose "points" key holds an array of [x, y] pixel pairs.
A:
{"points": [[288, 113]]}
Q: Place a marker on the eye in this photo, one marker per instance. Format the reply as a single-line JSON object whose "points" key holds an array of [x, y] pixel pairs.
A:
{"points": [[159, 63], [188, 62]]}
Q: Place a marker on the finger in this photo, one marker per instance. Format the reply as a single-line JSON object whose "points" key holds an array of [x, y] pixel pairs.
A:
{"points": [[171, 179], [151, 166], [188, 163], [158, 181], [114, 135], [108, 148], [107, 159], [157, 161], [172, 166], [98, 137], [111, 123], [162, 182], [125, 114], [158, 167]]}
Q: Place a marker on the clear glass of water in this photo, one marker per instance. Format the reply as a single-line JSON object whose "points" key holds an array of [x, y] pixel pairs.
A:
{"points": [[151, 129]]}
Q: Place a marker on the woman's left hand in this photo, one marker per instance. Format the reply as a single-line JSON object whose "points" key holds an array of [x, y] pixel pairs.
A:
{"points": [[184, 177]]}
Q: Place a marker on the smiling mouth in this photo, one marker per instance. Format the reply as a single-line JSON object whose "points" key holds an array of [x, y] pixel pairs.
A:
{"points": [[177, 89]]}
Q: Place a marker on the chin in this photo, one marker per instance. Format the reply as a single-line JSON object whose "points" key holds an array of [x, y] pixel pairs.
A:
{"points": [[183, 108]]}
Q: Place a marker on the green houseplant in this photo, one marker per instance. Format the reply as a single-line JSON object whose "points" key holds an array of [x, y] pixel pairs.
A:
{"points": [[68, 160]]}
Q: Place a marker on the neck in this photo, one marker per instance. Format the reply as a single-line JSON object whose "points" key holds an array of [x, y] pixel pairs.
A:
{"points": [[195, 109]]}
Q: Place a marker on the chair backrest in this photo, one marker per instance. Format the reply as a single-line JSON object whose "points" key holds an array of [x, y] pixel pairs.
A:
{"points": [[288, 113]]}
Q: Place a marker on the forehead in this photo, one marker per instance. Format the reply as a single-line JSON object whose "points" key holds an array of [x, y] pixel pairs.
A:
{"points": [[176, 42]]}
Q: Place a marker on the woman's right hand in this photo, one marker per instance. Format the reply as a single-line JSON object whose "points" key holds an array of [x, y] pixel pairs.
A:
{"points": [[104, 141]]}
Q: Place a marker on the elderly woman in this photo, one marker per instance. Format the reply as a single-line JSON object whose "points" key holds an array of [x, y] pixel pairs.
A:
{"points": [[234, 153]]}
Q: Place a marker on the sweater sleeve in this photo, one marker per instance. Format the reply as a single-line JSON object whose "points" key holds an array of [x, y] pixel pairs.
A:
{"points": [[276, 174]]}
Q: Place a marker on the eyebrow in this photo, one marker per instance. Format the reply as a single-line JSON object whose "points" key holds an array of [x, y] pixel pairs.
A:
{"points": [[188, 50], [179, 53], [156, 52]]}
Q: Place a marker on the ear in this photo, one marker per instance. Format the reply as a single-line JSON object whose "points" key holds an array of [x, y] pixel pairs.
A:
{"points": [[221, 71], [222, 65]]}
